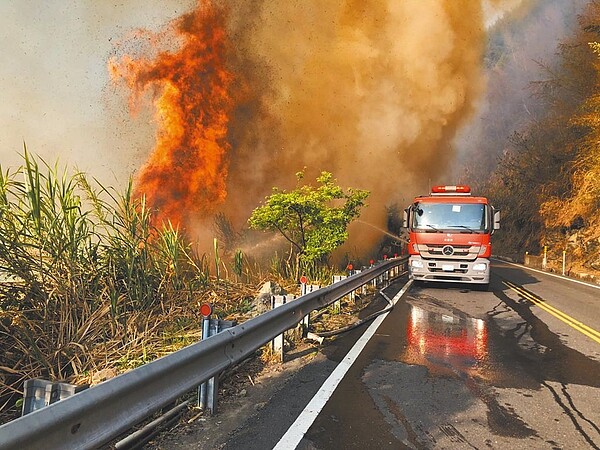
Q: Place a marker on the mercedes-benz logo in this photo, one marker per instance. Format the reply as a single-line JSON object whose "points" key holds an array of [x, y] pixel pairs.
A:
{"points": [[448, 250]]}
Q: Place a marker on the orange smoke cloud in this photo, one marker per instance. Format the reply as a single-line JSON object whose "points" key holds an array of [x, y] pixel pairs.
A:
{"points": [[186, 173], [373, 91]]}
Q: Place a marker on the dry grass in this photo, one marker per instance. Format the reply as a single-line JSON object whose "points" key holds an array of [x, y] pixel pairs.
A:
{"points": [[89, 284], [89, 288]]}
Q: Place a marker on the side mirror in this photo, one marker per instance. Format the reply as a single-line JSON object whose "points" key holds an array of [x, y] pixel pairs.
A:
{"points": [[405, 218], [496, 219]]}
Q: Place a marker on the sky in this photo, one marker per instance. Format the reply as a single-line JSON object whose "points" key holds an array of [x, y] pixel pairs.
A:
{"points": [[54, 86]]}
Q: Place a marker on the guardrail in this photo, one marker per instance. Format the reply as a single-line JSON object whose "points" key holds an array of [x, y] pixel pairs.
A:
{"points": [[551, 262], [101, 413]]}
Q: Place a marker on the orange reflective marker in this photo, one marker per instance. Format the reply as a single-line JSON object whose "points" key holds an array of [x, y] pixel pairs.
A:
{"points": [[206, 309]]}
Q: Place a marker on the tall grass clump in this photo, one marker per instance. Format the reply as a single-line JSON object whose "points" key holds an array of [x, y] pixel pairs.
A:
{"points": [[90, 285], [84, 275]]}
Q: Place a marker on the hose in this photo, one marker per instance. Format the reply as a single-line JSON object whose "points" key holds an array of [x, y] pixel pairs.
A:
{"points": [[142, 436], [326, 334]]}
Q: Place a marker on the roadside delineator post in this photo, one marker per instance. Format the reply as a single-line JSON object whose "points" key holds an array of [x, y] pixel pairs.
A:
{"points": [[337, 305], [375, 280], [385, 276], [545, 259], [351, 271], [306, 288], [277, 344]]}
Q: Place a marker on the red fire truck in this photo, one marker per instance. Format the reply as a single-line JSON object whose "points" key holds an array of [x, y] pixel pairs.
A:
{"points": [[449, 236]]}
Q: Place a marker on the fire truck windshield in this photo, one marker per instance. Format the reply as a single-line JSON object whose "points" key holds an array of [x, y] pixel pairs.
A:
{"points": [[435, 217]]}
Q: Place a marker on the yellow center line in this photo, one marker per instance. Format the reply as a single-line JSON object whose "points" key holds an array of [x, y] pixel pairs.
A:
{"points": [[543, 304], [573, 323]]}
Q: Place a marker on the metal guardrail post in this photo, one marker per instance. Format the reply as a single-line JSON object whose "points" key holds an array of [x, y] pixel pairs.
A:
{"points": [[205, 335], [337, 305], [277, 342], [306, 289], [38, 393], [208, 391]]}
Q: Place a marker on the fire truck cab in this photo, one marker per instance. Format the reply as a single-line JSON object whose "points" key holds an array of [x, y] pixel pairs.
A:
{"points": [[449, 236]]}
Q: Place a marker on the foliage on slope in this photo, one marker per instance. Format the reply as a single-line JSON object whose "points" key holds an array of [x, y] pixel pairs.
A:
{"points": [[547, 181]]}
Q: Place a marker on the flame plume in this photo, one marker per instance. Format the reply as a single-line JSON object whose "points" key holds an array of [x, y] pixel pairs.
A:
{"points": [[186, 172]]}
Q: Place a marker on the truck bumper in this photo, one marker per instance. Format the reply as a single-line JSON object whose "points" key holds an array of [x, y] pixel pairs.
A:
{"points": [[452, 271]]}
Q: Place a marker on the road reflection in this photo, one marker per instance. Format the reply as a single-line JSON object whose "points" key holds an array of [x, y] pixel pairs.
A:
{"points": [[444, 340]]}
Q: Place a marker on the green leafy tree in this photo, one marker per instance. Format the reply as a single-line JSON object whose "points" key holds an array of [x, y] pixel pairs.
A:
{"points": [[313, 219]]}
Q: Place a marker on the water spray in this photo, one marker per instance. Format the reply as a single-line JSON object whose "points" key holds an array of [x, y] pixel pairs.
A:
{"points": [[401, 239]]}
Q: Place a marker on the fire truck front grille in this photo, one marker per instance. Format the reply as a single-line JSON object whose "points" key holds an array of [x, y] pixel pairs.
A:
{"points": [[446, 251], [436, 270]]}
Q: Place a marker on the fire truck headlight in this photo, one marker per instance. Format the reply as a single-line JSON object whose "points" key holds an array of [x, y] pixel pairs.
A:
{"points": [[480, 267], [416, 264]]}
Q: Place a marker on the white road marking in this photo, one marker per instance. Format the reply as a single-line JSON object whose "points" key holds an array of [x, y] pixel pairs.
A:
{"points": [[521, 266], [296, 432]]}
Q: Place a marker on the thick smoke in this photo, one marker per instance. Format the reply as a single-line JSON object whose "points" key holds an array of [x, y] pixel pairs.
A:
{"points": [[517, 55], [373, 91]]}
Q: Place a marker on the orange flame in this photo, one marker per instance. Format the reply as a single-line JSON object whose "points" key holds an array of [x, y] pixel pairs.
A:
{"points": [[185, 175]]}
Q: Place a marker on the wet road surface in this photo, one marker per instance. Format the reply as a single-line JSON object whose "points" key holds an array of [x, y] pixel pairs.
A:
{"points": [[456, 368]]}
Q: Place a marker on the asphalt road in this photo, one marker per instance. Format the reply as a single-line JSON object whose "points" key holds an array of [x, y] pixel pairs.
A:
{"points": [[456, 368], [517, 366]]}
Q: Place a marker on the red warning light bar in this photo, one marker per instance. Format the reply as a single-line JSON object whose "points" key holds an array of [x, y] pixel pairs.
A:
{"points": [[461, 189]]}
